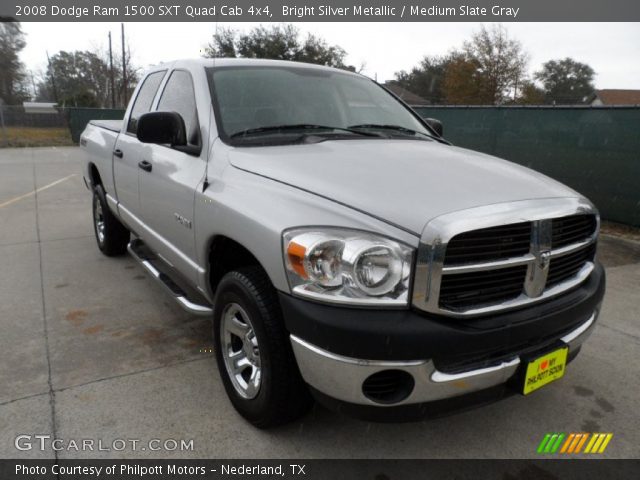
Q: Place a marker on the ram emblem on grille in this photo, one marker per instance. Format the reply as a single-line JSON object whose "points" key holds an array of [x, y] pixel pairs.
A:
{"points": [[537, 274], [541, 250]]}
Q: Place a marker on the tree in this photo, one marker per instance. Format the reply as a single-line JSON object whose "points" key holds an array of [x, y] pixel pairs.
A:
{"points": [[490, 69], [281, 42], [223, 44], [133, 75], [12, 75], [530, 94], [427, 78], [463, 82], [501, 63], [566, 81], [82, 79]]}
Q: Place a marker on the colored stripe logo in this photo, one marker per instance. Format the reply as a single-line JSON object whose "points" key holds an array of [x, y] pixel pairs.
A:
{"points": [[573, 443]]}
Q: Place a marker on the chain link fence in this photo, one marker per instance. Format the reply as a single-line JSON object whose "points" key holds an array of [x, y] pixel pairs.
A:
{"points": [[20, 127]]}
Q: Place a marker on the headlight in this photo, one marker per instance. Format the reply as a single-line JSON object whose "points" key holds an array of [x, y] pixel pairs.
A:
{"points": [[347, 266]]}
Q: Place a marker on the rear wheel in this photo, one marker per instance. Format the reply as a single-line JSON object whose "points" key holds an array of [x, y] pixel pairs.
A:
{"points": [[112, 237], [255, 359]]}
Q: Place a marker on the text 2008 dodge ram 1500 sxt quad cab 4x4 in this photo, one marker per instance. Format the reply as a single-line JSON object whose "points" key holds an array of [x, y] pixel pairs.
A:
{"points": [[344, 250]]}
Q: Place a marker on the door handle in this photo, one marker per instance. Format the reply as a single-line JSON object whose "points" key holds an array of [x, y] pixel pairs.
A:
{"points": [[118, 153], [144, 165]]}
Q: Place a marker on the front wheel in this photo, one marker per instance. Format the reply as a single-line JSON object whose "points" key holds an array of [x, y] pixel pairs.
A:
{"points": [[112, 237], [253, 352]]}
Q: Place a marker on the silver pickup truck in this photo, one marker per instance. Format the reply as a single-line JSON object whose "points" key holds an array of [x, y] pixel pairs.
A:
{"points": [[344, 250]]}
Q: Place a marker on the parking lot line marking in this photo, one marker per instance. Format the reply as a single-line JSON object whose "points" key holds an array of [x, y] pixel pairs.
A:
{"points": [[38, 190]]}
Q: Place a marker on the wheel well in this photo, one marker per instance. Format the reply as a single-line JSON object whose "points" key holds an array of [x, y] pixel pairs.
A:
{"points": [[94, 175], [226, 255]]}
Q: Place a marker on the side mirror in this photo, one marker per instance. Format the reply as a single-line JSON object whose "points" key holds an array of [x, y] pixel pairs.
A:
{"points": [[435, 124], [163, 128]]}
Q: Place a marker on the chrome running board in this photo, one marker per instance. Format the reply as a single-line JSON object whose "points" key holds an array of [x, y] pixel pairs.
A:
{"points": [[136, 249]]}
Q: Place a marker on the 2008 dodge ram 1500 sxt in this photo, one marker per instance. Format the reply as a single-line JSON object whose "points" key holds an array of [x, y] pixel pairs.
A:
{"points": [[344, 250]]}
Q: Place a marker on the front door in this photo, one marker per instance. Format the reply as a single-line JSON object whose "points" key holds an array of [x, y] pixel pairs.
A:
{"points": [[167, 186]]}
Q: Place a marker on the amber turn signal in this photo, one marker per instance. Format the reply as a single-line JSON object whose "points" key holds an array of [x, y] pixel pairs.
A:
{"points": [[296, 253]]}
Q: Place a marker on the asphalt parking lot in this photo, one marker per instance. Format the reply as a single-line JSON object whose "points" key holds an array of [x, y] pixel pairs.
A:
{"points": [[92, 348]]}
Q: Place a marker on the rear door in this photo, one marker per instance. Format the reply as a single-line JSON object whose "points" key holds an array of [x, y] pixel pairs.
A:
{"points": [[128, 151], [167, 191]]}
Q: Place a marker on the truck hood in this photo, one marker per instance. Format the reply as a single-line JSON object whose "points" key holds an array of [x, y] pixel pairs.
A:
{"points": [[403, 182]]}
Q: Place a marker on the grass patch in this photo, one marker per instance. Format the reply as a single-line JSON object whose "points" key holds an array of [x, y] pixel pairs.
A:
{"points": [[35, 137]]}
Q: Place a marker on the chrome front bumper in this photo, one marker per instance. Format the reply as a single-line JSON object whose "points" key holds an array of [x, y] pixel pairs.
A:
{"points": [[342, 377]]}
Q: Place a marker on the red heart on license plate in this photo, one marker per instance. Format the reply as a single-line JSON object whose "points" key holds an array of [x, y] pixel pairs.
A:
{"points": [[544, 365]]}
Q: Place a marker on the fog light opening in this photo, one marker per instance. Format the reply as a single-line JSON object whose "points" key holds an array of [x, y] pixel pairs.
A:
{"points": [[388, 386]]}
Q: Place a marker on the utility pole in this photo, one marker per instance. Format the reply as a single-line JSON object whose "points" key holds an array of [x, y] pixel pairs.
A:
{"points": [[53, 79], [124, 69], [111, 75]]}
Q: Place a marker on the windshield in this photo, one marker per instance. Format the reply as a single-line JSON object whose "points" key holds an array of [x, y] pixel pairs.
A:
{"points": [[280, 104]]}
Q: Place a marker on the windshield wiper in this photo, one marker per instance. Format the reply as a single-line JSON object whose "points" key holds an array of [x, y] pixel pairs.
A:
{"points": [[300, 126], [396, 128]]}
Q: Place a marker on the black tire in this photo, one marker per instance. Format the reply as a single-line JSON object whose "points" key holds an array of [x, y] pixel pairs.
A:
{"points": [[114, 237], [282, 395]]}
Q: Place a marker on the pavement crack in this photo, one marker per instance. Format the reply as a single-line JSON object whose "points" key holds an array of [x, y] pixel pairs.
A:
{"points": [[129, 374], [621, 332], [52, 395], [51, 240], [27, 397]]}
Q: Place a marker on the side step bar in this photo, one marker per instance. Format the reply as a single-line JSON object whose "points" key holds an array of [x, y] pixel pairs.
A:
{"points": [[136, 248]]}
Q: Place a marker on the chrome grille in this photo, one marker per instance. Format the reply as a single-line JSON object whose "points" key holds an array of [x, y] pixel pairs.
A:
{"points": [[491, 243], [504, 256], [468, 289], [572, 229], [566, 267]]}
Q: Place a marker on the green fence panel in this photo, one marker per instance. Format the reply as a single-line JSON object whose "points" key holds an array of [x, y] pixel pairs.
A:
{"points": [[594, 150], [79, 117]]}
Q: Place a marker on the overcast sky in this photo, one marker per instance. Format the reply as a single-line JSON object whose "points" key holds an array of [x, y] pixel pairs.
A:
{"points": [[612, 49]]}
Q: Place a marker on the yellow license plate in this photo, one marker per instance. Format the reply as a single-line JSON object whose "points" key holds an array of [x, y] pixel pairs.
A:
{"points": [[545, 369]]}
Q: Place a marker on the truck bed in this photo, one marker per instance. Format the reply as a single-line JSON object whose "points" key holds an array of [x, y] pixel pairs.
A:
{"points": [[99, 140]]}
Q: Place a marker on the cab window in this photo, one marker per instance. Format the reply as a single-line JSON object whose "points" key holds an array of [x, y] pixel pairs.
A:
{"points": [[143, 101], [179, 96]]}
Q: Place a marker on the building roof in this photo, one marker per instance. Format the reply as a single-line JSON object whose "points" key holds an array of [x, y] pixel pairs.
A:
{"points": [[617, 97], [39, 107], [406, 95]]}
